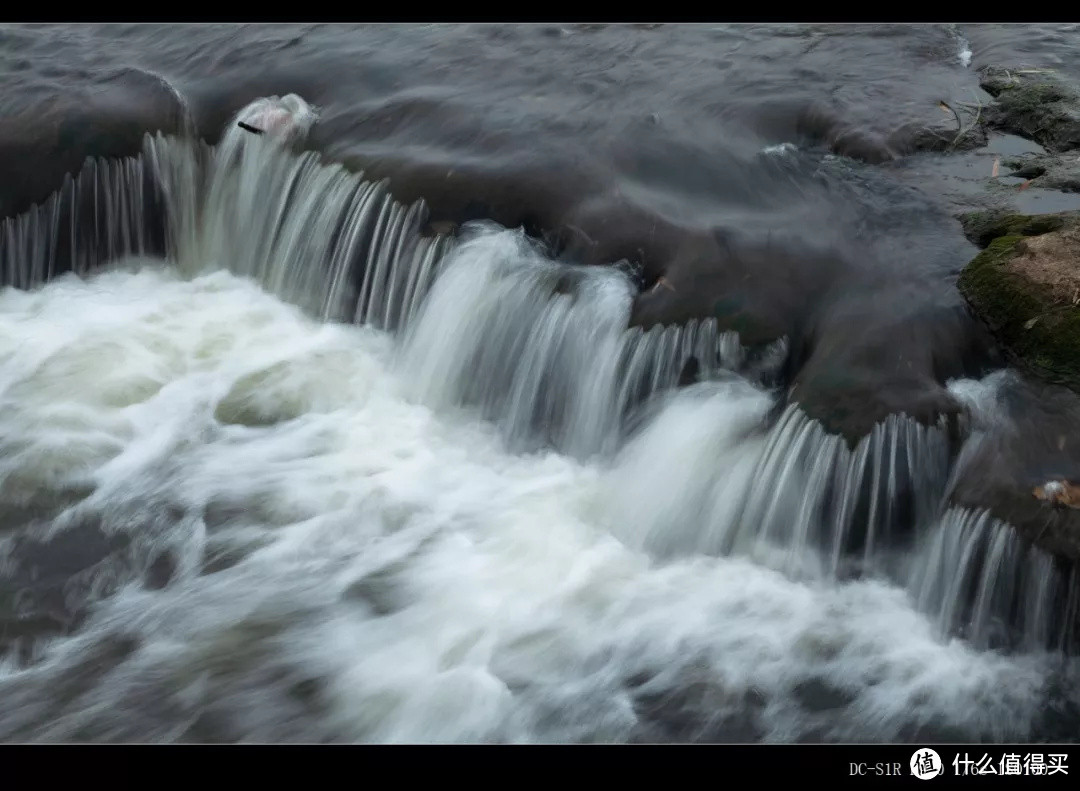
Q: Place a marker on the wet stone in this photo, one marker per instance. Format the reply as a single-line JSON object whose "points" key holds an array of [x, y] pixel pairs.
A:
{"points": [[1034, 104], [817, 695], [160, 571], [699, 711]]}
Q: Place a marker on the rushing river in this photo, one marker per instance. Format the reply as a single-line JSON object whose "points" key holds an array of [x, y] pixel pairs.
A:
{"points": [[282, 460]]}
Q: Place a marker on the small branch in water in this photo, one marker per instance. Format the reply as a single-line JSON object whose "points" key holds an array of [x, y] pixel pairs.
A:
{"points": [[249, 128], [946, 106], [970, 127]]}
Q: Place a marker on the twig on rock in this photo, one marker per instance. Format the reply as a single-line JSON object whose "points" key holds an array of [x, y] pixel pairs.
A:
{"points": [[971, 126]]}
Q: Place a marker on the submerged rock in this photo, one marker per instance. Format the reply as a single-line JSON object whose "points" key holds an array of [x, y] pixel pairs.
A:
{"points": [[943, 135], [55, 138]]}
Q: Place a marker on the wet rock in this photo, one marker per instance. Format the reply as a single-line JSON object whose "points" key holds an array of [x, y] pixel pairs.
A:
{"points": [[1048, 171], [937, 733], [1021, 440], [1026, 286], [1007, 494], [1035, 104], [161, 571], [962, 134], [249, 685], [1060, 717], [1045, 171], [816, 694], [867, 338], [982, 227], [822, 124], [871, 356], [39, 147], [967, 139], [48, 583], [1029, 171], [700, 710], [103, 655], [759, 291]]}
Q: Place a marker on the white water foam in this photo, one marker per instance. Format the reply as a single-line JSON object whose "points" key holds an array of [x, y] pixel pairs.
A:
{"points": [[963, 46], [780, 149], [396, 574]]}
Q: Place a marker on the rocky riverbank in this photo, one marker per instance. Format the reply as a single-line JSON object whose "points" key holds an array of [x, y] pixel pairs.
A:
{"points": [[1024, 285]]}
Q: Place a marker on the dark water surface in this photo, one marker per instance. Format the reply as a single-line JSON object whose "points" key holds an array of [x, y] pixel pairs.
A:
{"points": [[224, 521]]}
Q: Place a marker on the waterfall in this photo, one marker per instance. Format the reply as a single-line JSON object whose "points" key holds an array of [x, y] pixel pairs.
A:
{"points": [[843, 502], [308, 231], [487, 321], [542, 348], [109, 210], [790, 495], [979, 580], [558, 364]]}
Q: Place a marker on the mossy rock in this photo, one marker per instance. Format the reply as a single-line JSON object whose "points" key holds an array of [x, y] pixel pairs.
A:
{"points": [[982, 227], [1026, 312], [1035, 105]]}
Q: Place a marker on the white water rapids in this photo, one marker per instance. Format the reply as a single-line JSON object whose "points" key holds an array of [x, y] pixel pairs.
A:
{"points": [[481, 513]]}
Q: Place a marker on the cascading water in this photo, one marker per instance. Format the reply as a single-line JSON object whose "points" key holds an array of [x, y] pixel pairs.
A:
{"points": [[303, 532], [542, 347], [982, 582], [107, 212], [312, 233], [806, 503]]}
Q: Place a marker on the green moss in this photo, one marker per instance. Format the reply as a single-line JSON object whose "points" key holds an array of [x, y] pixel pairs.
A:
{"points": [[982, 227], [1042, 111], [1028, 97], [1050, 347]]}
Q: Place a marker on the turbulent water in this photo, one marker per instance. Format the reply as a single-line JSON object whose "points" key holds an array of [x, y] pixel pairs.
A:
{"points": [[346, 563], [279, 462]]}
